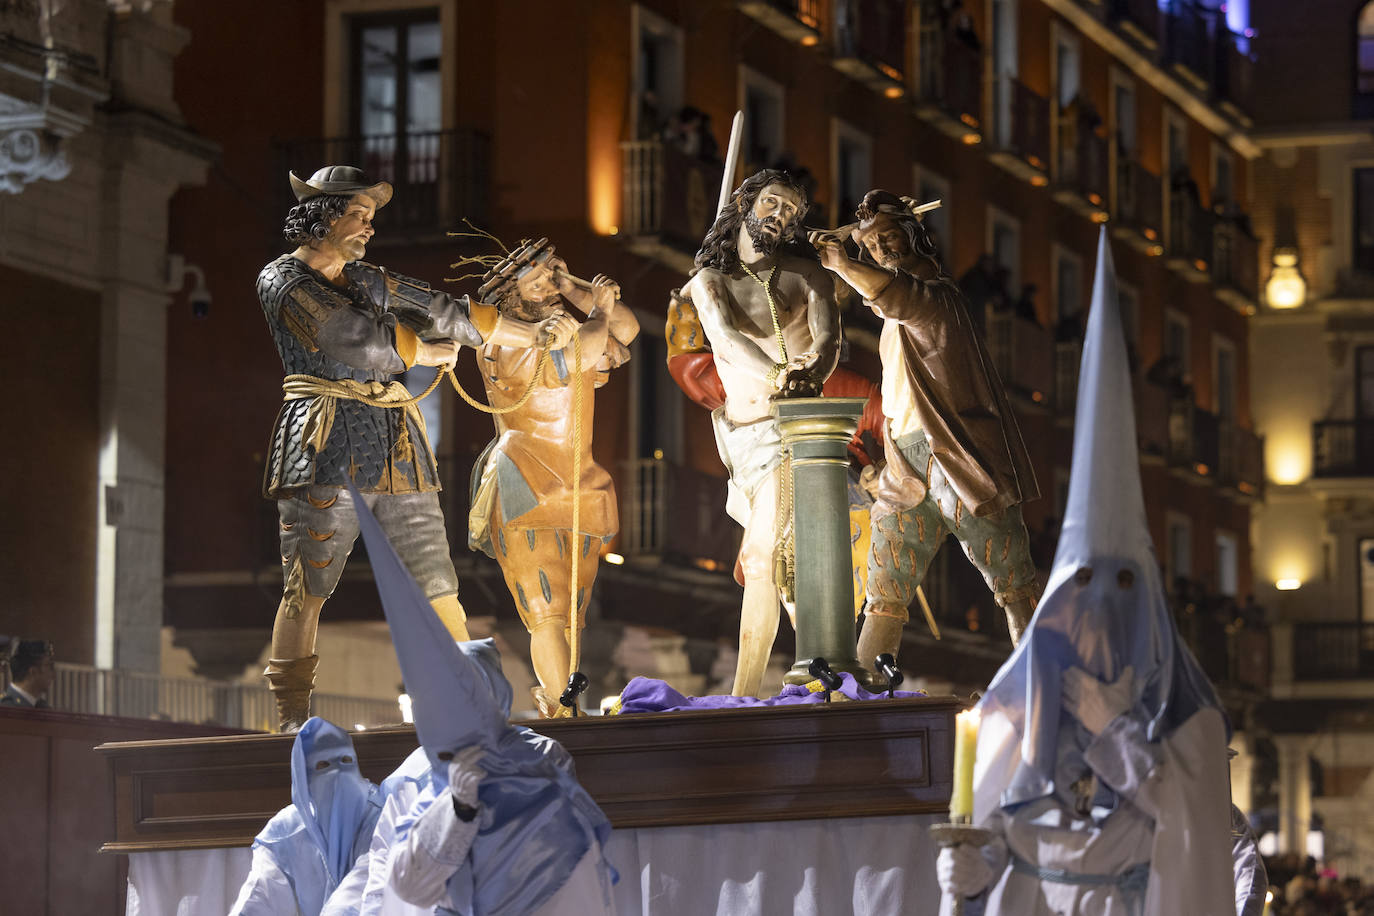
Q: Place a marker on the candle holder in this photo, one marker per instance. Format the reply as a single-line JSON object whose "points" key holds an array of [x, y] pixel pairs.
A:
{"points": [[959, 832]]}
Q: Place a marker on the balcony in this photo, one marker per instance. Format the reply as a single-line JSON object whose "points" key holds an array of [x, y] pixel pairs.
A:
{"points": [[950, 96], [1022, 145], [1153, 408], [1139, 206], [1333, 651], [1194, 440], [1235, 263], [669, 200], [1206, 55], [1068, 354], [440, 177], [794, 20], [676, 514], [1137, 19], [1081, 181], [1191, 225], [1240, 461], [870, 43], [1188, 45], [1021, 351], [1232, 655], [1343, 448]]}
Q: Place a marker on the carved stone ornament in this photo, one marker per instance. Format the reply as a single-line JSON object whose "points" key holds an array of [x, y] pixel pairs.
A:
{"points": [[26, 155]]}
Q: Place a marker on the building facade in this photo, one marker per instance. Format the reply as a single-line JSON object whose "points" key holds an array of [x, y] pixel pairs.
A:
{"points": [[92, 148], [1312, 345]]}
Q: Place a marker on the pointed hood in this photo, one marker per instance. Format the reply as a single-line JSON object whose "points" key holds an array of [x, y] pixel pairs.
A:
{"points": [[317, 838], [537, 821], [1104, 607], [453, 701]]}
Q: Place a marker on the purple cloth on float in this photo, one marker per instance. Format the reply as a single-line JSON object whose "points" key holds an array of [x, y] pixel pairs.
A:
{"points": [[644, 694]]}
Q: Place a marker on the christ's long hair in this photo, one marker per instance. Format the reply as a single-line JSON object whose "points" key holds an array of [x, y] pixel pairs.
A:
{"points": [[720, 248]]}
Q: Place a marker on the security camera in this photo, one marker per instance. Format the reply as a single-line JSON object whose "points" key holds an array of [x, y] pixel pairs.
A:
{"points": [[200, 295]]}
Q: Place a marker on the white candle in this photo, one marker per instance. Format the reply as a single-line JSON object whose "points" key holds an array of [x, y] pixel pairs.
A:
{"points": [[965, 749]]}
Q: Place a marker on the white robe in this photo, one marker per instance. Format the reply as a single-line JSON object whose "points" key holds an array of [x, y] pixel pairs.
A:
{"points": [[1172, 813], [437, 844]]}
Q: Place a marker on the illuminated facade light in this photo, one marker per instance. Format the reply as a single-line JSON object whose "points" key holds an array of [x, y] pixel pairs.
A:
{"points": [[1100, 216], [1288, 585], [894, 92], [1150, 234], [1039, 181], [1156, 250], [1286, 288], [971, 139], [1202, 469], [969, 119], [615, 559], [810, 41]]}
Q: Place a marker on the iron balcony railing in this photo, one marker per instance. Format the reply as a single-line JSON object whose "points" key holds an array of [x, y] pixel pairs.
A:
{"points": [[439, 177], [1139, 18], [1333, 651], [1343, 448], [668, 194], [1191, 228], [1028, 134], [1240, 459], [1022, 352], [1083, 165], [676, 513], [1235, 257], [139, 695], [873, 31], [1139, 199], [951, 77]]}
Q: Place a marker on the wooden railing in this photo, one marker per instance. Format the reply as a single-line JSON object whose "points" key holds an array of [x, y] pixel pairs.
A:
{"points": [[439, 177]]}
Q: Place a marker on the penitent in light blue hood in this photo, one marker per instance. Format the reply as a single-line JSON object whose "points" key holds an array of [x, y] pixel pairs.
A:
{"points": [[536, 819], [1104, 607]]}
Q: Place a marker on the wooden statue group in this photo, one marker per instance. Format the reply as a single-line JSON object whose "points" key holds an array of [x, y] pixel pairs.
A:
{"points": [[545, 340]]}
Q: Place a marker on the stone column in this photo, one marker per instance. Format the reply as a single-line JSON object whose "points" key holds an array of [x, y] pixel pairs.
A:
{"points": [[1295, 792], [817, 431]]}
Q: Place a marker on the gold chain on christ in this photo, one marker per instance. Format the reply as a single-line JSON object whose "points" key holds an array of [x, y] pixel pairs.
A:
{"points": [[772, 313]]}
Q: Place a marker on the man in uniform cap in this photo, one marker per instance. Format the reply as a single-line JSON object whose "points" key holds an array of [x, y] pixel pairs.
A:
{"points": [[344, 328]]}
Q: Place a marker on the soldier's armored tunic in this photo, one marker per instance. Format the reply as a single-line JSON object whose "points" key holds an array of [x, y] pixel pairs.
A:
{"points": [[339, 343]]}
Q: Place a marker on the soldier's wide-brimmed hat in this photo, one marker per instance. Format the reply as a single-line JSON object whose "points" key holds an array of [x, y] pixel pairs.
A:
{"points": [[340, 181]]}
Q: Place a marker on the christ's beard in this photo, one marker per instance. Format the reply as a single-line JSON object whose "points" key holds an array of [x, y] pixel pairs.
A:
{"points": [[764, 243]]}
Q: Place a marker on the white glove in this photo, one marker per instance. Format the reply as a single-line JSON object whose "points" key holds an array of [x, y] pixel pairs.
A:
{"points": [[1096, 703], [464, 775], [962, 871]]}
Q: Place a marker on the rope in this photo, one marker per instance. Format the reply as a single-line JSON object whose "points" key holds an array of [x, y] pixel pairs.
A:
{"points": [[497, 411], [772, 313], [785, 567], [376, 402]]}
